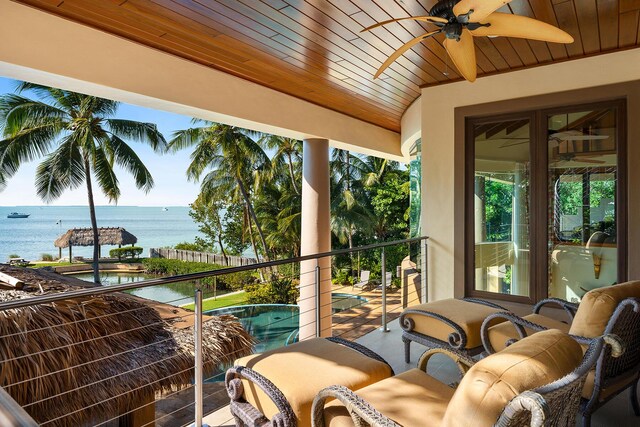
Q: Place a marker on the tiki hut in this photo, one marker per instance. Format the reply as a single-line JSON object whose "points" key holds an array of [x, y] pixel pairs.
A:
{"points": [[84, 237], [85, 361]]}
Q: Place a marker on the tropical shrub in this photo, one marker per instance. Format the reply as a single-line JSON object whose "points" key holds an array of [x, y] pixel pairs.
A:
{"points": [[279, 290], [188, 246], [14, 256], [175, 267], [342, 277], [128, 252], [47, 257]]}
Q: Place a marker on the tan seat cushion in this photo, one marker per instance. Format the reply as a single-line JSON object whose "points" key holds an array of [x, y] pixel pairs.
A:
{"points": [[492, 382], [301, 370], [609, 390], [411, 399], [597, 307], [500, 334], [469, 316]]}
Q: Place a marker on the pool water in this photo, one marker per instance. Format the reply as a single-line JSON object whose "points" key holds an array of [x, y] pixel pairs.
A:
{"points": [[174, 293], [276, 325]]}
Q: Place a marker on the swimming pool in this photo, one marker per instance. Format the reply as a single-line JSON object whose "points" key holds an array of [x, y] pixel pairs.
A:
{"points": [[276, 325]]}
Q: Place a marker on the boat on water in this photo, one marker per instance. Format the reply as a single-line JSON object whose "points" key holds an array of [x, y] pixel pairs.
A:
{"points": [[165, 209], [18, 215]]}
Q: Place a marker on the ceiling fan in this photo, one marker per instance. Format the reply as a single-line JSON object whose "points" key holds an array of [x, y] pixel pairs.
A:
{"points": [[461, 20], [557, 137]]}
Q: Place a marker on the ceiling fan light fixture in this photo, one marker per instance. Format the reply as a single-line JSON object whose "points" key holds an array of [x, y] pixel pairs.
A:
{"points": [[462, 20]]}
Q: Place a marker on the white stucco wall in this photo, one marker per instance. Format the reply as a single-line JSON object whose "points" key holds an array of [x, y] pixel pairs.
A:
{"points": [[438, 105]]}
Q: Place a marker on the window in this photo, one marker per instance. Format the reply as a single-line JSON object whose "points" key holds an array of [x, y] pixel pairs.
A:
{"points": [[563, 162]]}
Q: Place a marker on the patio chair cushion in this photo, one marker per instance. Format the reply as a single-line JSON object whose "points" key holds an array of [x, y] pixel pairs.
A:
{"points": [[492, 382], [412, 398], [501, 333], [468, 315], [597, 307], [301, 370]]}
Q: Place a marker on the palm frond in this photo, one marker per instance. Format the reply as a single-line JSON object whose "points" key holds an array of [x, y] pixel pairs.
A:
{"points": [[61, 170], [105, 175], [138, 131], [126, 157]]}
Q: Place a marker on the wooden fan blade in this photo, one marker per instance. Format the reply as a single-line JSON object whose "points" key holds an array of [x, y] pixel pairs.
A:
{"points": [[481, 8], [414, 18], [398, 53], [508, 25], [463, 55]]}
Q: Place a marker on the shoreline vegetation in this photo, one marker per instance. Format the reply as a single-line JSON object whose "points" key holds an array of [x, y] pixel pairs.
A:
{"points": [[250, 183]]}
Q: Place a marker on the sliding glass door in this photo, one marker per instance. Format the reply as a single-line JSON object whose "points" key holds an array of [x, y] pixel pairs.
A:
{"points": [[583, 182], [545, 203]]}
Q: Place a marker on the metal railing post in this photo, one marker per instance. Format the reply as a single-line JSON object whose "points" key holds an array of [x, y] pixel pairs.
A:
{"points": [[318, 327], [384, 291], [423, 273], [198, 372]]}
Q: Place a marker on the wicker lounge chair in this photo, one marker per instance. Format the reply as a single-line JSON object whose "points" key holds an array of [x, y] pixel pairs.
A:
{"points": [[277, 388], [453, 323], [535, 382], [611, 310]]}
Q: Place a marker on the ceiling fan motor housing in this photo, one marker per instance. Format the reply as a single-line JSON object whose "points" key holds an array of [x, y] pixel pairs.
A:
{"points": [[444, 9]]}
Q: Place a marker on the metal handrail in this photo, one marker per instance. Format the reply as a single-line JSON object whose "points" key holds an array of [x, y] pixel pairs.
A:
{"points": [[45, 299], [12, 414]]}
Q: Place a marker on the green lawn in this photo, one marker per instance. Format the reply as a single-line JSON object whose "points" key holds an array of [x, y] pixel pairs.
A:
{"points": [[223, 301], [53, 264]]}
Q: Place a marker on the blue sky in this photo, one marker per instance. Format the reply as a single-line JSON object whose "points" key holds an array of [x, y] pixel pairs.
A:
{"points": [[168, 171]]}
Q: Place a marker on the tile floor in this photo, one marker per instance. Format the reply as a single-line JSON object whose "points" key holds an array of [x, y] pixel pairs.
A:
{"points": [[616, 413]]}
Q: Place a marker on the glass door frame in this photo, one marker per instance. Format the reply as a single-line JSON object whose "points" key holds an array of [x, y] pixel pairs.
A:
{"points": [[539, 196]]}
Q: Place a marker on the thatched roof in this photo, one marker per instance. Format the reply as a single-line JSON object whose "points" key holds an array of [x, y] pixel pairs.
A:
{"points": [[88, 360], [106, 236]]}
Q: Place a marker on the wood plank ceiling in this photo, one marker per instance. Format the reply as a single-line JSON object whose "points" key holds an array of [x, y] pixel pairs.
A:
{"points": [[313, 49]]}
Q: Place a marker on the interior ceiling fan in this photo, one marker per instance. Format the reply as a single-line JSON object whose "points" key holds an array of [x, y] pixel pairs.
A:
{"points": [[557, 137], [461, 20]]}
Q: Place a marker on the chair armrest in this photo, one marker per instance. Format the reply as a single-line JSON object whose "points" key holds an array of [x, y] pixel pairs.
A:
{"points": [[456, 339], [569, 307], [528, 402], [518, 323], [484, 302], [462, 361], [247, 412], [361, 412]]}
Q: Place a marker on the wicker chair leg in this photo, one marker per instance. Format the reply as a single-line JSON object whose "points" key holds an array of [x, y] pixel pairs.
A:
{"points": [[634, 398], [586, 419], [238, 421], [407, 349]]}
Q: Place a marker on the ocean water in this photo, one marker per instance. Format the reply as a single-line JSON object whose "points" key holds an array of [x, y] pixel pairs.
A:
{"points": [[31, 237]]}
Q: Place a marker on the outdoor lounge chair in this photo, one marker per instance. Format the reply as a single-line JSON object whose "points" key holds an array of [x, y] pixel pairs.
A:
{"points": [[276, 388], [364, 283], [611, 310], [535, 382]]}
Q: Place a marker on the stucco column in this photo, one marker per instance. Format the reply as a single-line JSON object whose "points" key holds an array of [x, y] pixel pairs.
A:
{"points": [[315, 238]]}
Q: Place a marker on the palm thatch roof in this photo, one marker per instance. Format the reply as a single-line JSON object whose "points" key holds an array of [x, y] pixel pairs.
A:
{"points": [[106, 236], [83, 361]]}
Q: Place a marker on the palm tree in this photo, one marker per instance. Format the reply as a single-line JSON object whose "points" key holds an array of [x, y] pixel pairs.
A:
{"points": [[288, 151], [234, 161], [79, 138]]}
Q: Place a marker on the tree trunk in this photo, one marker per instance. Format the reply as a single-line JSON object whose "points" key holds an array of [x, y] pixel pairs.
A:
{"points": [[94, 222], [293, 178], [224, 254], [253, 244], [253, 216]]}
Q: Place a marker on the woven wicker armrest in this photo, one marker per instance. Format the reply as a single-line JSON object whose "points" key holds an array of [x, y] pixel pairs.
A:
{"points": [[484, 302], [518, 323], [569, 307], [247, 413], [457, 339], [462, 361], [361, 412]]}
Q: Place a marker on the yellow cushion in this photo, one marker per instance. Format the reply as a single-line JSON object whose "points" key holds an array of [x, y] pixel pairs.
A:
{"points": [[597, 307], [492, 382], [301, 370], [411, 399], [469, 316], [609, 390], [500, 334]]}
